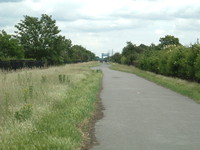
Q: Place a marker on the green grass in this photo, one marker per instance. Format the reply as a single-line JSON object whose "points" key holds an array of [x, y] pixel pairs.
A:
{"points": [[187, 88], [53, 111]]}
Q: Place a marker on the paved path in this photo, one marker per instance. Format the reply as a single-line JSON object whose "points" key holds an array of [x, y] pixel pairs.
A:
{"points": [[140, 115]]}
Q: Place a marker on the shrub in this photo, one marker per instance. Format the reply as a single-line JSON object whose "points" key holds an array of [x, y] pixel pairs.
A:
{"points": [[150, 61], [197, 68], [162, 62], [123, 60]]}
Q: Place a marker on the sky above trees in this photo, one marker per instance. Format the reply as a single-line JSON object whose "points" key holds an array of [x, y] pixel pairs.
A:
{"points": [[106, 25]]}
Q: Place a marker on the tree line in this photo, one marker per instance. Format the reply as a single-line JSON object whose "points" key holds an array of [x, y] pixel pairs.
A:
{"points": [[40, 39], [168, 58]]}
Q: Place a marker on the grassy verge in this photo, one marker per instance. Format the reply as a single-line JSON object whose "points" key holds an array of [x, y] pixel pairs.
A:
{"points": [[47, 108], [190, 89]]}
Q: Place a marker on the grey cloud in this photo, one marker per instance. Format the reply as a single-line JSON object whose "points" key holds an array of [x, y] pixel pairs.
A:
{"points": [[98, 26], [67, 12], [144, 17], [12, 13], [71, 20], [7, 22], [188, 25], [8, 1], [188, 13], [166, 14]]}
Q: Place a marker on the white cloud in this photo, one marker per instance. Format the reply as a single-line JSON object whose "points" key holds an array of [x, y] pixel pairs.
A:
{"points": [[102, 25], [160, 31]]}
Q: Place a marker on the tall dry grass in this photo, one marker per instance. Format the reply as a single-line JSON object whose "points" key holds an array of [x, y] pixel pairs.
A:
{"points": [[31, 101]]}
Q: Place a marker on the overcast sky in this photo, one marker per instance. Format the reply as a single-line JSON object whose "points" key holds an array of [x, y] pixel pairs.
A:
{"points": [[106, 25]]}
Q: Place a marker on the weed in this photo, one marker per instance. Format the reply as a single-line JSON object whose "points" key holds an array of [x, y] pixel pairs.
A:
{"points": [[44, 79], [61, 78], [6, 103], [26, 95], [4, 77], [24, 113], [98, 70], [67, 79], [19, 79], [29, 77], [30, 91]]}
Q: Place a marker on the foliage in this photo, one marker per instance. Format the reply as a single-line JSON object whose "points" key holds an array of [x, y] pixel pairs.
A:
{"points": [[116, 58], [129, 49], [81, 54], [123, 60], [131, 53], [10, 47], [195, 56], [149, 63], [40, 38], [177, 61], [169, 40], [168, 58], [63, 78]]}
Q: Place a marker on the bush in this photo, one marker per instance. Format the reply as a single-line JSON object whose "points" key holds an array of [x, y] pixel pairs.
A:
{"points": [[123, 60], [150, 61], [116, 58], [162, 63], [197, 68], [174, 63], [177, 61]]}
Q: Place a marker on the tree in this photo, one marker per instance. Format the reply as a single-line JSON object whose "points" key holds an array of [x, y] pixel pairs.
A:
{"points": [[116, 58], [169, 40], [10, 47], [81, 54], [40, 38], [130, 51], [67, 50], [142, 48]]}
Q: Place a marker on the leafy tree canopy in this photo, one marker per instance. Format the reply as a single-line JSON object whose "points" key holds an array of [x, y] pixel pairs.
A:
{"points": [[82, 54], [10, 47], [40, 38], [169, 40], [116, 58], [129, 49]]}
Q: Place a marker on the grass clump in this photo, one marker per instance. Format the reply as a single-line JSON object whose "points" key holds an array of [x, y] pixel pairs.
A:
{"points": [[184, 87], [44, 112], [24, 113]]}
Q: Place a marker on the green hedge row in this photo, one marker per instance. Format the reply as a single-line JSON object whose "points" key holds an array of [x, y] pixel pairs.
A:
{"points": [[176, 61]]}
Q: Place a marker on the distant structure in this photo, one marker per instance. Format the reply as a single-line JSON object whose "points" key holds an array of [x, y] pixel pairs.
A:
{"points": [[105, 57]]}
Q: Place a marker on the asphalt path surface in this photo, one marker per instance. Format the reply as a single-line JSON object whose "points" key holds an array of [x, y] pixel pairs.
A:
{"points": [[141, 115]]}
